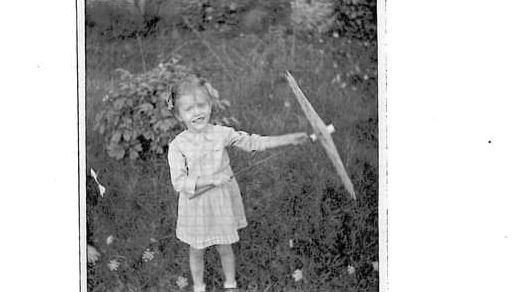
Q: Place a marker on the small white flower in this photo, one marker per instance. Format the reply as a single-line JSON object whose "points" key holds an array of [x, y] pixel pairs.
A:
{"points": [[182, 282], [148, 255], [92, 254], [297, 275], [375, 266], [113, 265], [335, 34], [93, 173], [350, 270], [102, 189], [291, 243], [109, 240], [287, 104]]}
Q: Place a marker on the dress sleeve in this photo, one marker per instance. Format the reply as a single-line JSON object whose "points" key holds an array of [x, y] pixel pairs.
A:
{"points": [[245, 141], [182, 180]]}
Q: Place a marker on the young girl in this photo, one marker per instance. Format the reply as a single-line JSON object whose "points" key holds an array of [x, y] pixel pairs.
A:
{"points": [[197, 160]]}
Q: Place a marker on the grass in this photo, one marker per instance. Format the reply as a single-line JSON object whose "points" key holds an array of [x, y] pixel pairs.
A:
{"points": [[296, 197]]}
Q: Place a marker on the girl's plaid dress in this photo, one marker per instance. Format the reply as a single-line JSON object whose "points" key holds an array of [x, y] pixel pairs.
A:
{"points": [[214, 217]]}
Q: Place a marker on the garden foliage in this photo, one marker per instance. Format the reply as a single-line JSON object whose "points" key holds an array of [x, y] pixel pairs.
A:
{"points": [[121, 19], [135, 119], [304, 232]]}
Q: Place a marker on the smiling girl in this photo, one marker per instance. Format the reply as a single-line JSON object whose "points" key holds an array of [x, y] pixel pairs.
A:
{"points": [[198, 159]]}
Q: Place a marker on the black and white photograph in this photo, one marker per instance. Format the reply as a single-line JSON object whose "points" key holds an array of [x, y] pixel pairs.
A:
{"points": [[231, 145], [289, 145]]}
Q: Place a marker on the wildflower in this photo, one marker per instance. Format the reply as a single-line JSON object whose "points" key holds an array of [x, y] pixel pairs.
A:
{"points": [[291, 243], [336, 79], [109, 240], [93, 174], [365, 77], [182, 282], [297, 275], [102, 189], [148, 255], [113, 265], [375, 266], [335, 34], [287, 104], [92, 254], [350, 270]]}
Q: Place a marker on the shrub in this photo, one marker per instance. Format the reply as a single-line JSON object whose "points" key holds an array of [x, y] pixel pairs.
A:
{"points": [[356, 19], [135, 119]]}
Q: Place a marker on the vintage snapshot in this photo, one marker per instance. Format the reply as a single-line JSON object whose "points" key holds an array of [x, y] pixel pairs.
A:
{"points": [[232, 146]]}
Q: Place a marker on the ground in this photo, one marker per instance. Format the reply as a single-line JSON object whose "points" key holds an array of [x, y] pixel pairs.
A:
{"points": [[300, 217]]}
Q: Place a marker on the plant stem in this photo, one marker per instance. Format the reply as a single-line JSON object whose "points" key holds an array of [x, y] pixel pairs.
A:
{"points": [[141, 52]]}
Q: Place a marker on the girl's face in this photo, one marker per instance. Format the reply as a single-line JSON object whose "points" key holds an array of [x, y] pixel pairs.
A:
{"points": [[194, 108]]}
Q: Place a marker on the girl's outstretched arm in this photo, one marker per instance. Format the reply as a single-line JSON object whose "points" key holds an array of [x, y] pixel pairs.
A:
{"points": [[253, 142], [284, 140]]}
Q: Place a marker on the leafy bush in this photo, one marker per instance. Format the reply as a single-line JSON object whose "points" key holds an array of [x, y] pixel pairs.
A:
{"points": [[135, 119], [356, 19]]}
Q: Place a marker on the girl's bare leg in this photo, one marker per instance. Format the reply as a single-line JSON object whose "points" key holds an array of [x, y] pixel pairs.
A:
{"points": [[196, 261], [227, 261]]}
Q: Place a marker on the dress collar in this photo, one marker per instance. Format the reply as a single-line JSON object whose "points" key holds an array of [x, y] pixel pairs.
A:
{"points": [[206, 135]]}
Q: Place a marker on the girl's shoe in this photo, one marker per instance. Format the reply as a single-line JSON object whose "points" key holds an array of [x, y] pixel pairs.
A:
{"points": [[199, 288], [231, 287]]}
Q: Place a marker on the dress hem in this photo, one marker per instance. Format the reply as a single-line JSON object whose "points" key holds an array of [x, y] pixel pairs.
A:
{"points": [[229, 239]]}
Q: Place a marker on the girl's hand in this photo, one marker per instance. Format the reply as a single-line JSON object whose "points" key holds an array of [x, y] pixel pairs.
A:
{"points": [[298, 138], [219, 179]]}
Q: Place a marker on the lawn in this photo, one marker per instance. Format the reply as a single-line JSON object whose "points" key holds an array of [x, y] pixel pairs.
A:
{"points": [[304, 233]]}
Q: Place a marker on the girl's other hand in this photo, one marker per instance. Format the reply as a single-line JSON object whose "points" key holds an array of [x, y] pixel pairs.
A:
{"points": [[298, 138], [219, 179]]}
